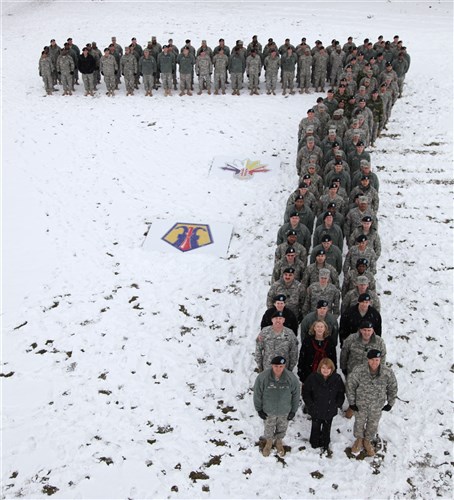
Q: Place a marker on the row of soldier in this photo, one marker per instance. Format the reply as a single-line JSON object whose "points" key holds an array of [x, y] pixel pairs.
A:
{"points": [[337, 195], [349, 66]]}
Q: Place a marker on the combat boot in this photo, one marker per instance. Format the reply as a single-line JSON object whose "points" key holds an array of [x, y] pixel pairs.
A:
{"points": [[369, 447], [181, 94], [357, 445], [169, 92], [251, 92], [256, 92], [199, 92], [274, 93], [267, 448], [283, 92], [92, 93], [209, 92], [216, 92], [223, 92], [69, 92], [280, 447], [189, 92]]}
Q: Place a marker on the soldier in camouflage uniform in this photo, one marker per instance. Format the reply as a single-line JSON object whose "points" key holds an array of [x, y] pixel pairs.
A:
{"points": [[320, 69], [117, 58], [332, 252], [373, 237], [276, 340], [331, 228], [303, 233], [87, 66], [147, 68], [375, 104], [290, 259], [109, 69], [360, 251], [46, 69], [203, 69], [237, 65], [65, 69], [276, 399], [360, 270], [312, 272], [355, 156], [253, 68], [371, 389], [74, 52], [354, 216], [96, 54], [361, 286], [304, 213], [129, 68], [54, 52], [365, 189], [310, 120], [186, 62], [173, 50], [305, 68], [323, 290], [221, 63], [292, 289], [271, 64], [291, 242], [288, 64], [336, 60], [167, 68]]}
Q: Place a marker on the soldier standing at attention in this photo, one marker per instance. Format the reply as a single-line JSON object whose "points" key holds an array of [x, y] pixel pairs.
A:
{"points": [[46, 69]]}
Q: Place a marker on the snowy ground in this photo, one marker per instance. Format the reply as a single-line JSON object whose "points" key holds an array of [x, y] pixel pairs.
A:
{"points": [[128, 374]]}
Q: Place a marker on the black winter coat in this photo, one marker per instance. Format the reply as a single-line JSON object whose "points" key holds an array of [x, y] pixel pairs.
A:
{"points": [[323, 397], [313, 350], [87, 64], [351, 319], [290, 319]]}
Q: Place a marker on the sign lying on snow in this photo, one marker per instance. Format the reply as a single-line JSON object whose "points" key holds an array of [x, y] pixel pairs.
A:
{"points": [[244, 168], [189, 237]]}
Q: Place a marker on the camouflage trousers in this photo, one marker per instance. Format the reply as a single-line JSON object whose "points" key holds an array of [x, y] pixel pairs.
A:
{"points": [[305, 79], [129, 81], [67, 81], [219, 80], [167, 80], [271, 81], [237, 81], [205, 79], [48, 82], [319, 79], [275, 427], [185, 81], [111, 82], [253, 81], [148, 83], [88, 80], [288, 78], [366, 423], [400, 83], [335, 76]]}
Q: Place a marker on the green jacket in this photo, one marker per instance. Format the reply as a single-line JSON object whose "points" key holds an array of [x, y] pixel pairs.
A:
{"points": [[186, 64], [276, 397]]}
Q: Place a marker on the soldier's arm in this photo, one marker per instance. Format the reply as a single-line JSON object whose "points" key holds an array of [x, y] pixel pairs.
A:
{"points": [[336, 300], [259, 353], [391, 389], [347, 263]]}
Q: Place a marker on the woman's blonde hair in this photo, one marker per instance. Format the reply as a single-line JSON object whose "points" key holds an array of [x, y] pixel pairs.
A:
{"points": [[312, 330], [328, 363]]}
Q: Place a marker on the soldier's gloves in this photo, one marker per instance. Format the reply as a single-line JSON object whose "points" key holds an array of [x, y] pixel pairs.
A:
{"points": [[387, 408], [291, 415], [71, 72], [116, 71], [263, 415], [102, 73], [122, 74], [353, 407], [58, 72], [141, 74]]}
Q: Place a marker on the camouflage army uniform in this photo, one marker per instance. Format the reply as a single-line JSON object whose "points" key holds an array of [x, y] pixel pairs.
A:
{"points": [[373, 239], [376, 106], [203, 69], [288, 64], [350, 279], [282, 264], [354, 254], [167, 68], [305, 123], [54, 52], [270, 344], [302, 232], [147, 68], [96, 54], [334, 231], [294, 293], [354, 351], [253, 68], [305, 68], [304, 155], [320, 69], [370, 193], [128, 66], [311, 275], [326, 199], [333, 256], [370, 392], [237, 65], [351, 299], [305, 214], [65, 68], [221, 63], [301, 252], [186, 67], [353, 220], [46, 70], [271, 65], [108, 67], [315, 292], [336, 59]]}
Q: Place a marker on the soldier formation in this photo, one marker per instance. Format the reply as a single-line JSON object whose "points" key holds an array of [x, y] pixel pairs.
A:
{"points": [[372, 73], [323, 288]]}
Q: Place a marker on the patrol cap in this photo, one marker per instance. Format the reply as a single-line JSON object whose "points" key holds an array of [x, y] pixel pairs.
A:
{"points": [[363, 163], [290, 270], [361, 238], [363, 199], [356, 132], [310, 138], [278, 314], [326, 237], [278, 360], [290, 250], [311, 165], [362, 262], [338, 112], [324, 273], [292, 232], [279, 298], [322, 303], [320, 252], [366, 218], [362, 280], [363, 298], [327, 214], [310, 128], [330, 91], [374, 353], [294, 214]]}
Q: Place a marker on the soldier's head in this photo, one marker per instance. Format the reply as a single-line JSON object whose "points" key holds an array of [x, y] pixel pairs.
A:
{"points": [[53, 42], [362, 265], [333, 188], [94, 45], [311, 168], [327, 241], [299, 202], [278, 365], [319, 329], [146, 53], [204, 43], [273, 53], [127, 50], [360, 146], [363, 203], [294, 219], [278, 320], [362, 284], [290, 256], [279, 302], [221, 42], [133, 41], [185, 51], [44, 54], [69, 41], [153, 40], [85, 51], [288, 274], [365, 181], [366, 222], [375, 94], [374, 359], [328, 218], [114, 39], [361, 242], [338, 166], [291, 237], [106, 51], [320, 257], [363, 302], [323, 277], [322, 308]]}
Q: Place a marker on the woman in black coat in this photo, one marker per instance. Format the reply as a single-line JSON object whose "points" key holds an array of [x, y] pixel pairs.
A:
{"points": [[323, 394]]}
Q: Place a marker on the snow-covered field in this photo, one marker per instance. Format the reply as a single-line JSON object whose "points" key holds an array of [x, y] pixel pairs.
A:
{"points": [[128, 374]]}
